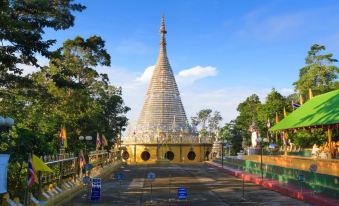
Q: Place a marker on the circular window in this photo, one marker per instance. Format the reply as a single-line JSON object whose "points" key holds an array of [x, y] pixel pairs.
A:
{"points": [[125, 155], [191, 155], [145, 155], [169, 155]]}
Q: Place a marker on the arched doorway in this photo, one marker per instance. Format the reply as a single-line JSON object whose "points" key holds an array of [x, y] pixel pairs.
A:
{"points": [[125, 155], [145, 155], [169, 155], [191, 155]]}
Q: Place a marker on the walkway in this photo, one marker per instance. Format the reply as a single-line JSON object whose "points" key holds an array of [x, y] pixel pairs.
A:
{"points": [[285, 189], [206, 185]]}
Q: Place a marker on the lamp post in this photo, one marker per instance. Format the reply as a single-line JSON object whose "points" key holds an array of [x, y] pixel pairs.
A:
{"points": [[222, 152], [6, 123], [261, 142], [87, 138]]}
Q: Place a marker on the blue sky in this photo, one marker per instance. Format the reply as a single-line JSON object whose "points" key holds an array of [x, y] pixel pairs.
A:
{"points": [[236, 47]]}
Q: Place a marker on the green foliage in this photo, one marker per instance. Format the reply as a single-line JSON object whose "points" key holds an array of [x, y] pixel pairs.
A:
{"points": [[307, 139], [248, 113], [208, 122], [231, 135], [320, 74], [22, 25], [67, 93]]}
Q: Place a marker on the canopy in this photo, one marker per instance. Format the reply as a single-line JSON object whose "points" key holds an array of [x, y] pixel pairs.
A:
{"points": [[320, 110]]}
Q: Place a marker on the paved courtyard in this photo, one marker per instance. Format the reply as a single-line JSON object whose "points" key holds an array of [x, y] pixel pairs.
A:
{"points": [[205, 186]]}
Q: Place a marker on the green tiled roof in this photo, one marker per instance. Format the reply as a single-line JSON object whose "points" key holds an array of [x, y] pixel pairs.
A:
{"points": [[320, 110]]}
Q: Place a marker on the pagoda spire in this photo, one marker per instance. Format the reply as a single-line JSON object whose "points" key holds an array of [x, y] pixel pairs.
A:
{"points": [[163, 32], [162, 101]]}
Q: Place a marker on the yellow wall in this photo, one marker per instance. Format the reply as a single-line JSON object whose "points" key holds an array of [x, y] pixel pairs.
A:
{"points": [[199, 150], [330, 167]]}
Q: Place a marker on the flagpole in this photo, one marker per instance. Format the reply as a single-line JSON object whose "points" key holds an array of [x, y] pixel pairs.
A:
{"points": [[27, 198]]}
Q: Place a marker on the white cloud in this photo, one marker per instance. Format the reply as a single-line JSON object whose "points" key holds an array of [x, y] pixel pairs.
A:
{"points": [[147, 75], [195, 73], [286, 91]]}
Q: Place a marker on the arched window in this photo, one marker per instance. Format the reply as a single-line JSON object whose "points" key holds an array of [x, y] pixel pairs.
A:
{"points": [[169, 155], [125, 155], [191, 155], [145, 155]]}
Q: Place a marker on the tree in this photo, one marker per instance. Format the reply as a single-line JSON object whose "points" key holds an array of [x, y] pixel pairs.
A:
{"points": [[231, 134], [79, 57], [22, 25], [203, 116], [56, 98], [213, 123], [274, 104], [248, 112], [320, 74]]}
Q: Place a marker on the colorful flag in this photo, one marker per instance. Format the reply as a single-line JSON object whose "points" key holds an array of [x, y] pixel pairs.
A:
{"points": [[39, 165], [329, 135], [276, 118], [98, 142], [295, 105], [310, 93], [301, 100], [268, 124], [82, 161], [31, 174], [104, 140], [63, 138], [285, 114]]}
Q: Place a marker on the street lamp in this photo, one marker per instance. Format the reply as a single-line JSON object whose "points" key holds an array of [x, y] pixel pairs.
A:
{"points": [[261, 142], [6, 123], [87, 138], [222, 152]]}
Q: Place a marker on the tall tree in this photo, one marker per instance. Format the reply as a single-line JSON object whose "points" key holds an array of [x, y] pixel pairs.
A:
{"points": [[248, 112], [22, 24], [214, 123], [203, 115], [320, 74]]}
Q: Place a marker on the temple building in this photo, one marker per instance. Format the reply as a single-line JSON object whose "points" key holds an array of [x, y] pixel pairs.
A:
{"points": [[162, 132]]}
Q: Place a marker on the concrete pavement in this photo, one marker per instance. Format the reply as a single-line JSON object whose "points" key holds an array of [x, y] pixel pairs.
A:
{"points": [[205, 185]]}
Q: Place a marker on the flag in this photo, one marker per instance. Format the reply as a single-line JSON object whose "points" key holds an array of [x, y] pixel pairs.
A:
{"points": [[295, 105], [31, 174], [329, 135], [82, 161], [98, 142], [310, 93], [104, 141], [63, 138], [285, 114], [301, 100], [268, 124], [39, 165], [276, 118]]}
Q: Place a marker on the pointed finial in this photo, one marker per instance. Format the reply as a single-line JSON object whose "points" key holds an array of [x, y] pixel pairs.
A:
{"points": [[162, 32], [162, 27]]}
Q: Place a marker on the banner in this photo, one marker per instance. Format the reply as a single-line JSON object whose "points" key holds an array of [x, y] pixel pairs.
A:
{"points": [[3, 172]]}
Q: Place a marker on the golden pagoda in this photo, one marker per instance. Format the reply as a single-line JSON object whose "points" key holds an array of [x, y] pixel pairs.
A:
{"points": [[162, 132]]}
